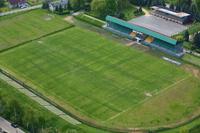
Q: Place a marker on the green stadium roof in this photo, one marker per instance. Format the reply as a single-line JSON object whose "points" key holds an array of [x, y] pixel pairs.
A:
{"points": [[142, 29]]}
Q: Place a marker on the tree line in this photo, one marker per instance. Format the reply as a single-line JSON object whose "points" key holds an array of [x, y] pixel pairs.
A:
{"points": [[194, 40], [101, 8], [115, 7], [2, 3], [189, 6], [26, 118]]}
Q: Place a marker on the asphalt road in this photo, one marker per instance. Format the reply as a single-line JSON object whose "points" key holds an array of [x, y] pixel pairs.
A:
{"points": [[6, 126]]}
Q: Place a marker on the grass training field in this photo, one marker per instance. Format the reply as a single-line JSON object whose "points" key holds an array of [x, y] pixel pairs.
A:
{"points": [[16, 29], [102, 79]]}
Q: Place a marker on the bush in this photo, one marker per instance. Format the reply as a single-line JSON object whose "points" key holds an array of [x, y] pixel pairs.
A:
{"points": [[4, 10], [45, 5], [179, 38]]}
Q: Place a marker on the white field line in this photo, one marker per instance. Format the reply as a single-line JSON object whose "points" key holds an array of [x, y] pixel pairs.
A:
{"points": [[113, 117], [154, 92]]}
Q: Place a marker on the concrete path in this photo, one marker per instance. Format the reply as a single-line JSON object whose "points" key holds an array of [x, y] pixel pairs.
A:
{"points": [[6, 126], [20, 10], [39, 100]]}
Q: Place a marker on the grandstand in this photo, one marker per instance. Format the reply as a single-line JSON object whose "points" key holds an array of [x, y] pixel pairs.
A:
{"points": [[152, 31], [170, 15]]}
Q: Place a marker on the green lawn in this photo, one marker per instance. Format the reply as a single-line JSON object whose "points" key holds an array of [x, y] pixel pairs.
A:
{"points": [[89, 19], [193, 127], [192, 59], [99, 78], [176, 103], [53, 121], [16, 29]]}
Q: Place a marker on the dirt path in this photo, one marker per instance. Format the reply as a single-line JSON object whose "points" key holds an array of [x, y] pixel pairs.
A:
{"points": [[69, 19], [193, 70], [146, 12]]}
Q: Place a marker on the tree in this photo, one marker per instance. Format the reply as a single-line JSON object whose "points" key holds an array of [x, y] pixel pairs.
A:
{"points": [[158, 2], [77, 4], [149, 2], [178, 7], [111, 7], [2, 105], [2, 3], [45, 4], [60, 9], [140, 9], [186, 36], [171, 6], [16, 111], [42, 123], [98, 7], [198, 4], [194, 11], [196, 40], [31, 121], [56, 8], [121, 5], [69, 7]]}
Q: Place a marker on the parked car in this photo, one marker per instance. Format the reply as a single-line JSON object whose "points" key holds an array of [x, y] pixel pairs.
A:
{"points": [[23, 5], [14, 125]]}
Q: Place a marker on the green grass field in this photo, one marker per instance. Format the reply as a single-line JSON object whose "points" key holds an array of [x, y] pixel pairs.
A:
{"points": [[26, 26], [52, 121], [193, 127], [176, 103], [98, 77], [89, 19], [192, 59]]}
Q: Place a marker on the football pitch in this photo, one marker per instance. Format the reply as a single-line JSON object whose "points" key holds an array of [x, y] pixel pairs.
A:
{"points": [[23, 27], [94, 77]]}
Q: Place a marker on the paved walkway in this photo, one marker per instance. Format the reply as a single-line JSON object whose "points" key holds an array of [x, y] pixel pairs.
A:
{"points": [[6, 126], [20, 10], [39, 100]]}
